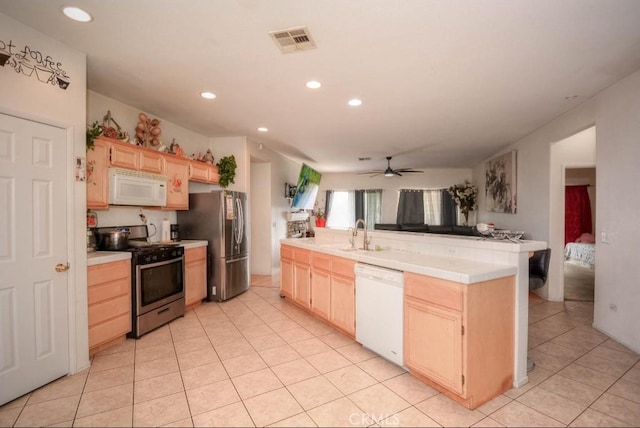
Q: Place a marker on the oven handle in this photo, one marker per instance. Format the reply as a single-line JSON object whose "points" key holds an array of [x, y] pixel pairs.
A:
{"points": [[162, 263]]}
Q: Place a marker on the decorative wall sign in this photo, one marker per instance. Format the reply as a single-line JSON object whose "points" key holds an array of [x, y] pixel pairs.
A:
{"points": [[30, 62], [500, 186]]}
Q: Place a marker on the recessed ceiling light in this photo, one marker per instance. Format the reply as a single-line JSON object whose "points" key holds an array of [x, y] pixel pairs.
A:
{"points": [[207, 95], [77, 14], [355, 102], [263, 129], [313, 84]]}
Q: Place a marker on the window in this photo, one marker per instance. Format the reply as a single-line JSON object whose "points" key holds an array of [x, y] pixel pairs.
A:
{"points": [[429, 206], [345, 206]]}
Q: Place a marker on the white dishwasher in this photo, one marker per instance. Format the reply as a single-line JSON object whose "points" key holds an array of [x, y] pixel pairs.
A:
{"points": [[379, 310]]}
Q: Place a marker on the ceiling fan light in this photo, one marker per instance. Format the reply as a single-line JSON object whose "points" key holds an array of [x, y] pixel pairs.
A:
{"points": [[388, 173]]}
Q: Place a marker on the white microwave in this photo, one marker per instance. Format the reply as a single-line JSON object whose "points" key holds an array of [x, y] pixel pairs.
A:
{"points": [[129, 187]]}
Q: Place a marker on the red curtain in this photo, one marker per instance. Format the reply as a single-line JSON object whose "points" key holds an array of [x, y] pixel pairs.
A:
{"points": [[577, 212]]}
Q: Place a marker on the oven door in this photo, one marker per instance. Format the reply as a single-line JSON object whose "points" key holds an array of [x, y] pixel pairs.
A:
{"points": [[158, 284]]}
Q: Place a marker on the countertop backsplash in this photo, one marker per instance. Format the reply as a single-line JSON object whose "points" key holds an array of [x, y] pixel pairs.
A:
{"points": [[130, 216]]}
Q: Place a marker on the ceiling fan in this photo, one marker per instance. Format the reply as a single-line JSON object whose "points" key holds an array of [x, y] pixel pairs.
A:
{"points": [[389, 172]]}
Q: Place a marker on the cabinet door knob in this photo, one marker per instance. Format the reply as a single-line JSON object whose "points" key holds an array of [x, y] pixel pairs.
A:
{"points": [[62, 267]]}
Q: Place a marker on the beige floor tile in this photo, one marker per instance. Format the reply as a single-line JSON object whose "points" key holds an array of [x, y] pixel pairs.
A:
{"points": [[122, 417], [181, 423], [155, 337], [108, 378], [593, 418], [157, 387], [272, 407], [488, 422], [225, 337], [294, 371], [18, 402], [593, 378], [272, 316], [234, 349], [533, 341], [244, 364], [190, 345], [633, 375], [106, 399], [250, 322], [409, 388], [187, 333], [608, 353], [8, 416], [560, 351], [126, 345], [318, 328], [495, 404], [66, 386], [337, 340], [378, 401], [516, 414], [410, 417], [252, 331], [310, 346], [197, 358], [356, 353], [111, 361], [328, 361], [295, 334], [48, 412], [381, 369], [350, 379], [297, 421], [283, 325], [618, 407], [448, 413], [314, 392], [279, 355], [571, 389], [212, 396], [549, 362], [203, 375], [551, 404], [161, 411], [255, 383], [232, 415], [612, 344], [340, 413], [157, 367], [155, 352], [604, 365], [268, 341]]}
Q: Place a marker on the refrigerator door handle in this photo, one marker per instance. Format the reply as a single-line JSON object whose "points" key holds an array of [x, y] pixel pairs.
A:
{"points": [[241, 234], [239, 225], [236, 260]]}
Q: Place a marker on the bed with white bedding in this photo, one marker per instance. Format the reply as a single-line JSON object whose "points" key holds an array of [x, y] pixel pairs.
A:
{"points": [[581, 253]]}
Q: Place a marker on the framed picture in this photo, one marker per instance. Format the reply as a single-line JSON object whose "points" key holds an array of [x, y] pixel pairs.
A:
{"points": [[500, 186]]}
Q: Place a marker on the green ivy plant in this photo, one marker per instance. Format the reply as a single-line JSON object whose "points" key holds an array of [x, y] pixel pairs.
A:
{"points": [[93, 131], [227, 170]]}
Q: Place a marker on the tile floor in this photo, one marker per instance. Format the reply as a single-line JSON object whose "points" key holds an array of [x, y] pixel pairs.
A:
{"points": [[257, 360]]}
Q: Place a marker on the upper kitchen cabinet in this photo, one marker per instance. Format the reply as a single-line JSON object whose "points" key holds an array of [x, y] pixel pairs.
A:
{"points": [[177, 172], [98, 175], [203, 172], [125, 155]]}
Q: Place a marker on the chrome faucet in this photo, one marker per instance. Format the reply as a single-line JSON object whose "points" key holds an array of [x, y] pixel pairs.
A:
{"points": [[365, 240]]}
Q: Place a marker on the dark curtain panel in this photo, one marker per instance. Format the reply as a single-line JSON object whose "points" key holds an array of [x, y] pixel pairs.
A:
{"points": [[449, 211], [327, 203], [360, 212], [410, 207], [577, 212]]}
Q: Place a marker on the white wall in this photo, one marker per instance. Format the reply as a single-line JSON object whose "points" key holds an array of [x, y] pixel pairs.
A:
{"points": [[614, 112], [27, 97], [435, 178], [261, 259]]}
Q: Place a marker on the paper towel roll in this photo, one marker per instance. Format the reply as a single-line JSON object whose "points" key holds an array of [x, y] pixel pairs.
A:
{"points": [[166, 230]]}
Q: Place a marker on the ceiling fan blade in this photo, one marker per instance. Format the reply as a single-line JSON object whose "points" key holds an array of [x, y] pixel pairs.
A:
{"points": [[397, 173], [370, 172], [409, 170]]}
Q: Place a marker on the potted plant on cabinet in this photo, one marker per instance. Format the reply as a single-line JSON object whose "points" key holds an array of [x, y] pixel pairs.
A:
{"points": [[227, 170]]}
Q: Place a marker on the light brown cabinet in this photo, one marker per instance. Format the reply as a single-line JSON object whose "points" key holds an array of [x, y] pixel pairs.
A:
{"points": [[109, 300], [177, 172], [321, 284], [195, 276], [98, 175], [302, 277], [286, 271], [458, 338], [343, 294], [203, 172]]}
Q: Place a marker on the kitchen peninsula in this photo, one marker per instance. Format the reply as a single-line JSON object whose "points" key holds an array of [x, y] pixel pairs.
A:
{"points": [[460, 273]]}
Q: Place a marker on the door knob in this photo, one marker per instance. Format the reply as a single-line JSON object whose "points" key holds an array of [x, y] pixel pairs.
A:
{"points": [[62, 268]]}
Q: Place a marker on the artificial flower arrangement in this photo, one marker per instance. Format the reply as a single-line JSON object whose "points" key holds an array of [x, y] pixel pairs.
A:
{"points": [[464, 195]]}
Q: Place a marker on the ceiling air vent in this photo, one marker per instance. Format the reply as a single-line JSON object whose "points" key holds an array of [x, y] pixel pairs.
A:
{"points": [[293, 39]]}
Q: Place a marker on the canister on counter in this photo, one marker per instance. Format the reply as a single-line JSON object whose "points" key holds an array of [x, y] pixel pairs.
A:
{"points": [[175, 232]]}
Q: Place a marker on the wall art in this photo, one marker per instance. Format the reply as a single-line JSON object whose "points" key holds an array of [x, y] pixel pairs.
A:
{"points": [[31, 63], [500, 186]]}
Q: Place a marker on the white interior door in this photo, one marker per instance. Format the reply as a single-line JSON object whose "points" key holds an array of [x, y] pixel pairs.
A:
{"points": [[34, 342]]}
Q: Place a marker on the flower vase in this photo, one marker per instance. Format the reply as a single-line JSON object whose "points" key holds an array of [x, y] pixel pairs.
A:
{"points": [[467, 218], [320, 222]]}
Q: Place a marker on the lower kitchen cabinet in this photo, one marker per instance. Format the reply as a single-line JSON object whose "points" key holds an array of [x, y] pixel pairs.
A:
{"points": [[302, 277], [343, 295], [286, 271], [195, 276], [109, 299], [459, 338], [321, 284]]}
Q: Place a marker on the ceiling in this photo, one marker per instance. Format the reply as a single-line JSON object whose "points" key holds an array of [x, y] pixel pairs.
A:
{"points": [[444, 83]]}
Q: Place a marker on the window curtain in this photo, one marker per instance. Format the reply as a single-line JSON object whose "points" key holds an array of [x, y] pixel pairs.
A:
{"points": [[577, 212], [327, 203], [410, 207], [449, 211], [360, 205], [433, 207], [373, 207]]}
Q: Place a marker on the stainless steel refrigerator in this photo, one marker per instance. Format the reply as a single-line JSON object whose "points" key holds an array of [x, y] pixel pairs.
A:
{"points": [[220, 217]]}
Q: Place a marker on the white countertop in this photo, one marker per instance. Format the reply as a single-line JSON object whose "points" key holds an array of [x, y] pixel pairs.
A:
{"points": [[100, 257], [450, 268]]}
